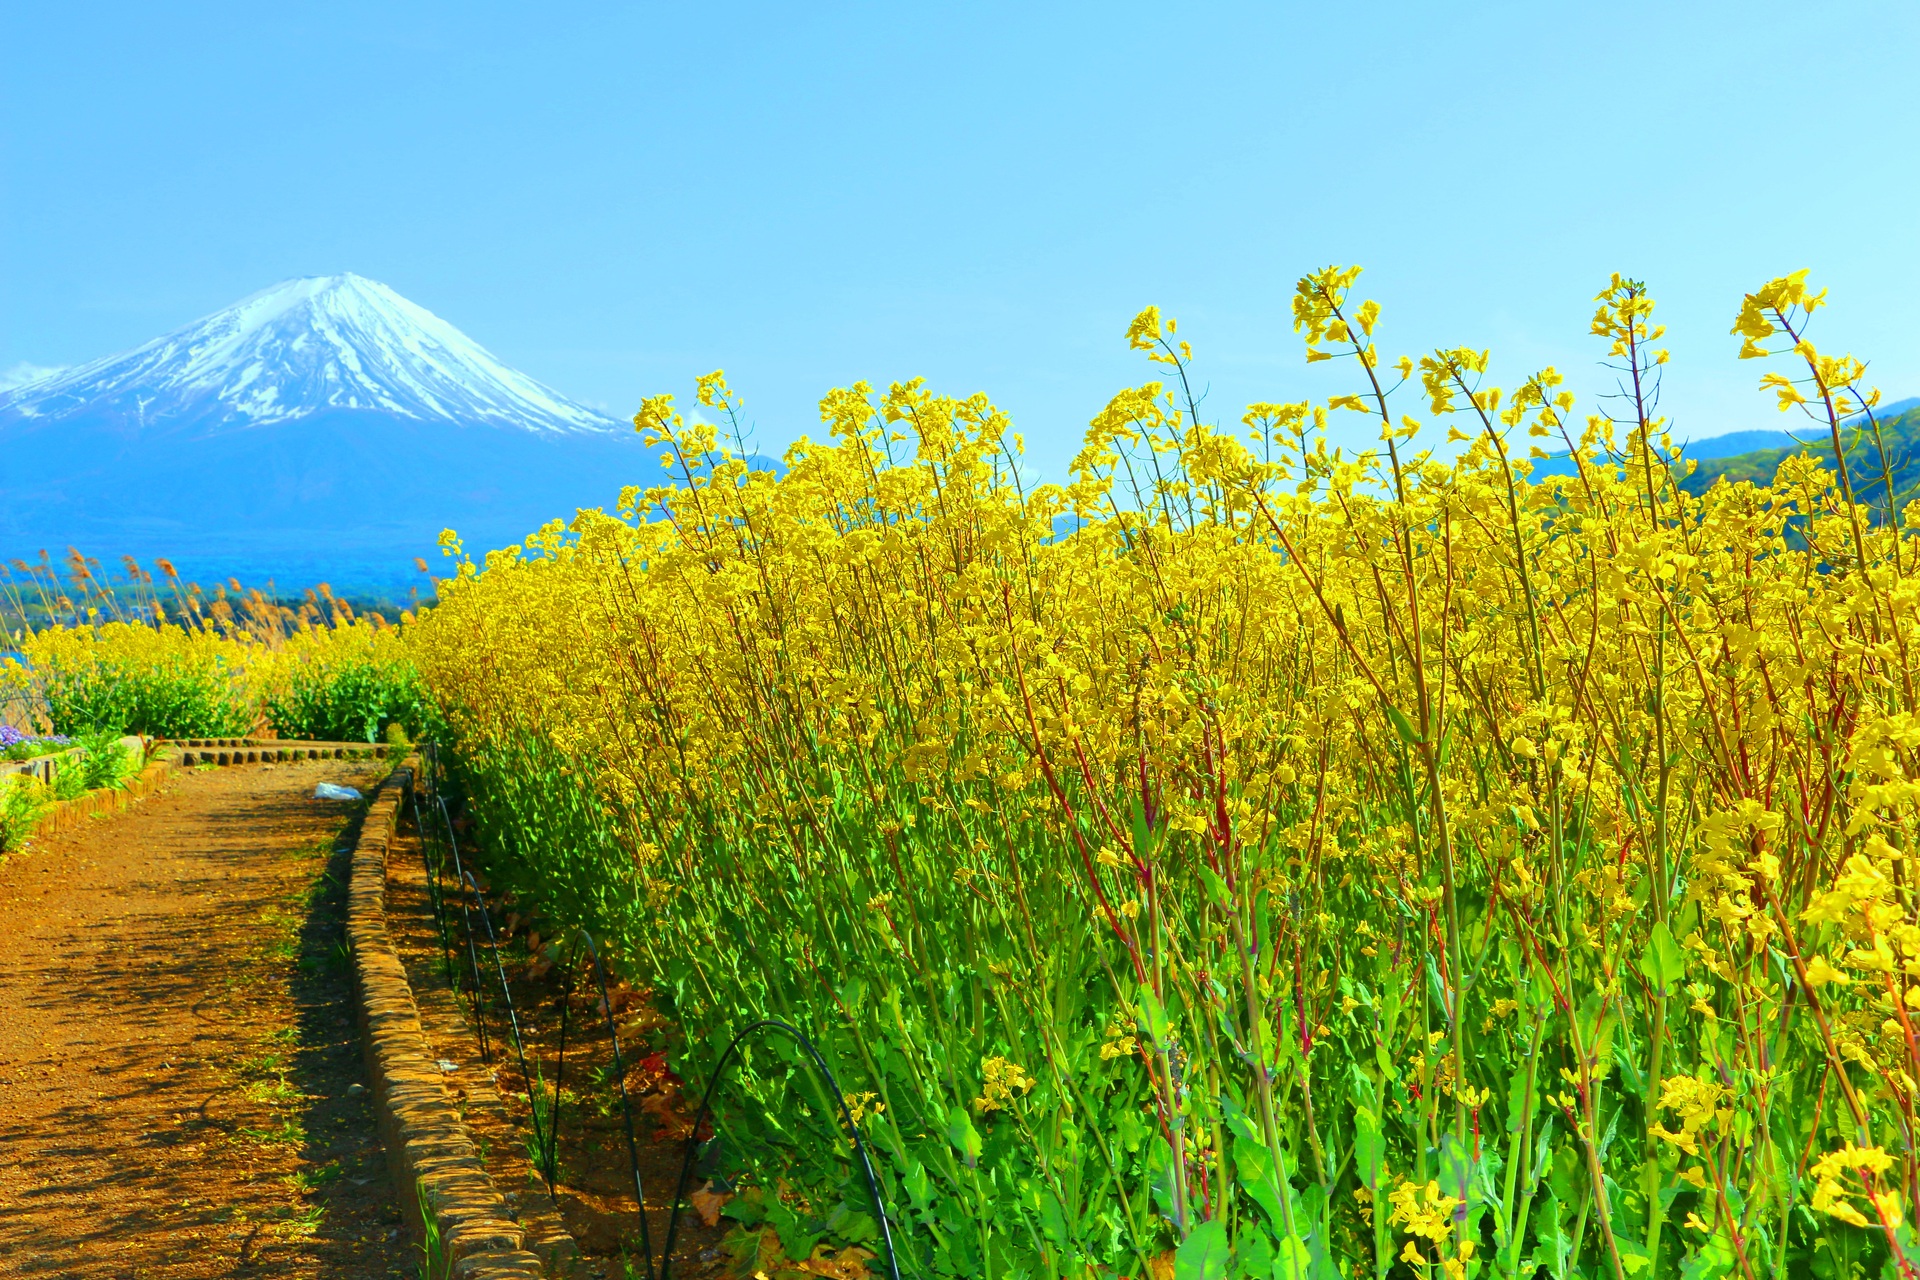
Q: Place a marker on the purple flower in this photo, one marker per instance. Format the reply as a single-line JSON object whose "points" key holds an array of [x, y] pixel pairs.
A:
{"points": [[10, 736]]}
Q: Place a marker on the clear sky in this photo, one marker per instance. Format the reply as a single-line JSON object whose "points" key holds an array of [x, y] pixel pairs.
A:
{"points": [[616, 198]]}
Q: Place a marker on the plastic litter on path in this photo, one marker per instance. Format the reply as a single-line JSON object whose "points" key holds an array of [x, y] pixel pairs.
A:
{"points": [[333, 791]]}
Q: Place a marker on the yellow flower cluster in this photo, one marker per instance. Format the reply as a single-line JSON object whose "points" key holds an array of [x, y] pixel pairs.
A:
{"points": [[1866, 1163], [195, 680], [1698, 1104], [1424, 1213], [1000, 1083]]}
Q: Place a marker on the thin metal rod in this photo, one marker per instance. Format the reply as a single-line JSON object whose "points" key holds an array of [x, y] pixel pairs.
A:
{"points": [[626, 1106], [431, 867], [513, 1019], [560, 1067], [473, 956]]}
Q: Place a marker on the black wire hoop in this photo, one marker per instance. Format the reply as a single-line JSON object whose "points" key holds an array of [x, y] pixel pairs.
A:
{"points": [[840, 1101]]}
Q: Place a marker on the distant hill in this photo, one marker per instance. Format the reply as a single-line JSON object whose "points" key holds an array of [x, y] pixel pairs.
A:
{"points": [[325, 428], [1756, 455], [1899, 431], [1736, 442]]}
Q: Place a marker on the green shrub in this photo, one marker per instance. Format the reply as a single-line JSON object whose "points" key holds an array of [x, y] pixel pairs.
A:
{"points": [[103, 761], [164, 701], [352, 701], [34, 748], [69, 783], [21, 799]]}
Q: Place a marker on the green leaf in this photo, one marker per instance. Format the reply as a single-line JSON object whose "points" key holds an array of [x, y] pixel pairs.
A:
{"points": [[796, 1235], [1403, 727], [747, 1208], [964, 1137], [1568, 1178], [1053, 1221], [1264, 1043], [1459, 1171], [1517, 1086], [1255, 1165], [1294, 1261], [919, 1190], [1542, 1156], [1633, 1255], [1714, 1260], [1369, 1147], [1145, 838], [1204, 1254], [1551, 1244], [1216, 888], [1363, 1088], [1253, 1260], [1237, 1120], [1153, 1015], [1663, 962], [1130, 1130]]}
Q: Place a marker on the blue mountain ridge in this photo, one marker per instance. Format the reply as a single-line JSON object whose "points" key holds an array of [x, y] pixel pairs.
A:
{"points": [[1731, 445]]}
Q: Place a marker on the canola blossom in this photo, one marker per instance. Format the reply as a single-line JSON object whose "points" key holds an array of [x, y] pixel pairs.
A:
{"points": [[1252, 858]]}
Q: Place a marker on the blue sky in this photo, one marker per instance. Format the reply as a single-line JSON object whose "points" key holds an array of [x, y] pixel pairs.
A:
{"points": [[617, 198]]}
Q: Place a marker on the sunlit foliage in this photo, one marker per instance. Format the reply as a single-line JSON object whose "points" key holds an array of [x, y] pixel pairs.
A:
{"points": [[1301, 862]]}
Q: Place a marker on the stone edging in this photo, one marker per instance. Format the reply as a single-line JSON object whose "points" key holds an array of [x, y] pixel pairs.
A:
{"points": [[65, 815], [437, 1170], [227, 751], [45, 767]]}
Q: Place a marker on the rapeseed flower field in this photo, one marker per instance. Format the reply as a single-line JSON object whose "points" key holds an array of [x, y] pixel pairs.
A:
{"points": [[185, 664], [1248, 857]]}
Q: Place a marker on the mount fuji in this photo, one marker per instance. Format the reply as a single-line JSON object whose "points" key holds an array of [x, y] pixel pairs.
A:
{"points": [[324, 426]]}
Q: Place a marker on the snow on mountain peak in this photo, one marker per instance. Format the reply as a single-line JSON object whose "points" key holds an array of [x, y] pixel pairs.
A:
{"points": [[21, 373], [302, 347]]}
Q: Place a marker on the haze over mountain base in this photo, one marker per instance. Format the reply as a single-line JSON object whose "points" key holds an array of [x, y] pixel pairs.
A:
{"points": [[351, 497]]}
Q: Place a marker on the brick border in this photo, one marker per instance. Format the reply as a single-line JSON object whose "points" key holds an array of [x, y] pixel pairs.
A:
{"points": [[436, 1167], [164, 757]]}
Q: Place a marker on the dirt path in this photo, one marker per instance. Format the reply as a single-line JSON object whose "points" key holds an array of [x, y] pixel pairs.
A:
{"points": [[181, 1089]]}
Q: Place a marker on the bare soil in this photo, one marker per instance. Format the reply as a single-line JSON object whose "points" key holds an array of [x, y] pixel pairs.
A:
{"points": [[181, 1085]]}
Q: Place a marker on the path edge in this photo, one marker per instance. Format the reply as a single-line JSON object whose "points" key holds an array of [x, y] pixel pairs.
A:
{"points": [[440, 1180]]}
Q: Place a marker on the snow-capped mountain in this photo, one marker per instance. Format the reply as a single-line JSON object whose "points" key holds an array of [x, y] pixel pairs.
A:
{"points": [[300, 348], [323, 428]]}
